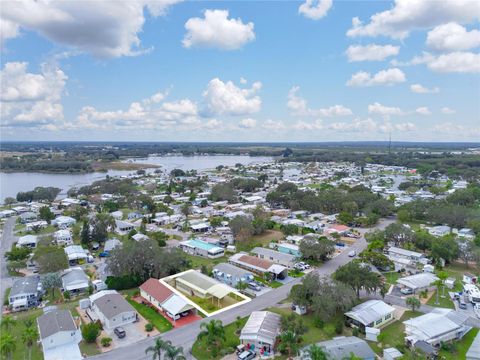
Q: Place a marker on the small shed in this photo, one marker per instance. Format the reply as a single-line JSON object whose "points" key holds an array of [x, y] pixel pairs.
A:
{"points": [[371, 333]]}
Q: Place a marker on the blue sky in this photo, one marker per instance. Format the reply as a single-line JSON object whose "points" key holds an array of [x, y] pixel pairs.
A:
{"points": [[240, 71]]}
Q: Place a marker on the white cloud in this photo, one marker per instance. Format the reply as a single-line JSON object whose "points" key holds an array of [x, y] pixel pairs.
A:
{"points": [[299, 106], [29, 98], [303, 125], [452, 37], [225, 98], [248, 123], [420, 89], [315, 9], [405, 127], [377, 108], [273, 125], [423, 111], [408, 15], [383, 77], [104, 29], [460, 62], [8, 30], [371, 52], [357, 125], [213, 124], [446, 110], [215, 30]]}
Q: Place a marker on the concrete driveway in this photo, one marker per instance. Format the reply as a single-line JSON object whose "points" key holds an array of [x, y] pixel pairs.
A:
{"points": [[134, 334]]}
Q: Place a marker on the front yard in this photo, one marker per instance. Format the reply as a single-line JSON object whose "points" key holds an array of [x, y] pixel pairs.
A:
{"points": [[459, 349], [202, 351], [152, 316], [443, 302]]}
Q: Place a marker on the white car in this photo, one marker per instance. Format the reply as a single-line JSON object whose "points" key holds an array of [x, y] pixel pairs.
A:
{"points": [[352, 253], [171, 316]]}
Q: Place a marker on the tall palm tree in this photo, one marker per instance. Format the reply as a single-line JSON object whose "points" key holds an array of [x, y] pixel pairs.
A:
{"points": [[157, 348], [29, 336], [316, 352], [213, 331], [7, 346], [174, 353], [8, 322]]}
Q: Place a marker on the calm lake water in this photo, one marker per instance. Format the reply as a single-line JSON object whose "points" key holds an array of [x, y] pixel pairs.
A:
{"points": [[12, 183]]}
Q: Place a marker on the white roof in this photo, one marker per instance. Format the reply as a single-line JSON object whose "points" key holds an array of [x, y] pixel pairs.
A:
{"points": [[370, 311], [69, 351], [404, 252], [176, 304], [262, 326], [75, 252], [27, 239], [418, 281]]}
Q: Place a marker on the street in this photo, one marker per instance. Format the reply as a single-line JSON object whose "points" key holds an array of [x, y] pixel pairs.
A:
{"points": [[6, 243], [187, 335]]}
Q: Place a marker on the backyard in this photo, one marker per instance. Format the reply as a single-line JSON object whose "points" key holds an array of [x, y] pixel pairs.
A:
{"points": [[261, 240], [460, 348]]}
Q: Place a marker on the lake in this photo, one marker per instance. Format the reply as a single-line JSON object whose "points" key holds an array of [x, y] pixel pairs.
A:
{"points": [[12, 183]]}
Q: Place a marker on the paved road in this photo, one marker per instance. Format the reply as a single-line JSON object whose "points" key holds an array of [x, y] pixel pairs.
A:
{"points": [[6, 243], [186, 336]]}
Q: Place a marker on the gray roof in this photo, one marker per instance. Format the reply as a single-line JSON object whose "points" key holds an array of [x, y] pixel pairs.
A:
{"points": [[263, 326], [370, 311], [74, 276], [112, 304], [110, 244], [473, 352], [418, 281], [267, 253], [341, 347], [26, 285], [55, 321], [231, 269]]}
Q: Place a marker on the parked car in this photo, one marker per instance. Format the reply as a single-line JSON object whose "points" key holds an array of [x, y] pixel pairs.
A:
{"points": [[120, 332], [246, 355], [185, 313], [461, 303], [173, 317], [254, 286], [305, 265], [299, 266], [406, 291], [352, 253]]}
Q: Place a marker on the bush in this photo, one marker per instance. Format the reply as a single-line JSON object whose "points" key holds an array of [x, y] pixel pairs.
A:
{"points": [[355, 331], [123, 282], [339, 327], [90, 332], [148, 327], [106, 341], [67, 295], [319, 323]]}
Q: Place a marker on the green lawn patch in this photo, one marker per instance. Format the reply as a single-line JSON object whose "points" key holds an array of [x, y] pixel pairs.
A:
{"points": [[275, 284], [460, 348], [196, 262], [443, 302], [295, 274], [152, 316], [391, 277], [261, 240], [201, 351]]}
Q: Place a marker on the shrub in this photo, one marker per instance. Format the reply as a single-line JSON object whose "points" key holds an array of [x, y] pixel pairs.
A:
{"points": [[90, 332], [148, 327], [329, 330], [319, 323], [123, 282], [355, 331], [66, 295], [106, 341]]}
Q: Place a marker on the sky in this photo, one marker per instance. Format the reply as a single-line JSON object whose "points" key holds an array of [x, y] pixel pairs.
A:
{"points": [[169, 70]]}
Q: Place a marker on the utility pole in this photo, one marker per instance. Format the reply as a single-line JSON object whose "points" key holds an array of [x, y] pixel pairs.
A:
{"points": [[389, 142]]}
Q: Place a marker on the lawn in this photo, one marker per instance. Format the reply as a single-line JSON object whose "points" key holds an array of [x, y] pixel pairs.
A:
{"points": [[460, 348], [151, 315], [391, 277], [273, 284], [196, 262], [314, 334], [260, 240], [295, 274], [443, 302], [393, 334], [201, 351]]}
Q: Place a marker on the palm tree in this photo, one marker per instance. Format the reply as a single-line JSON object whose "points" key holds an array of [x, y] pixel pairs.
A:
{"points": [[289, 343], [174, 353], [213, 331], [29, 336], [316, 352], [413, 302], [157, 348], [8, 322], [7, 345]]}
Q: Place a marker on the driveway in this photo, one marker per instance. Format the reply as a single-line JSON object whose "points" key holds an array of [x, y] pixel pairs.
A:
{"points": [[134, 335]]}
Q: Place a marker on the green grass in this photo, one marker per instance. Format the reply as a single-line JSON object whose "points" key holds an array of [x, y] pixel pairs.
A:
{"points": [[275, 284], [202, 351], [152, 316], [7, 295], [196, 262], [205, 304], [391, 277], [443, 302], [460, 348], [295, 274], [314, 334], [261, 240], [394, 334]]}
